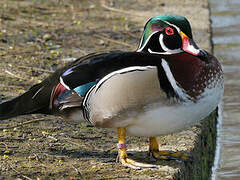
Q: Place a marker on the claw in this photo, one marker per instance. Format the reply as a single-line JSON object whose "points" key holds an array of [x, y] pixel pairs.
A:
{"points": [[127, 162], [165, 155], [169, 155]]}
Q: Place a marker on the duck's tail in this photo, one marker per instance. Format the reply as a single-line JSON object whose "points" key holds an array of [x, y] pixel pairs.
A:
{"points": [[35, 100]]}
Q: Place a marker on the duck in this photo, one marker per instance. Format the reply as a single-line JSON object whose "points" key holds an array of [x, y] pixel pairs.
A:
{"points": [[167, 85]]}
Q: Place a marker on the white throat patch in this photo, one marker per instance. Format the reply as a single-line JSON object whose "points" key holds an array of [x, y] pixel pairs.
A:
{"points": [[167, 51]]}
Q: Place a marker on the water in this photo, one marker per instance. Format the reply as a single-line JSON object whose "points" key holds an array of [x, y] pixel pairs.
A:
{"points": [[226, 38]]}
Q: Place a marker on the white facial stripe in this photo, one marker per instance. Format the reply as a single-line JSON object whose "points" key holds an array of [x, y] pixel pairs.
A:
{"points": [[168, 51], [140, 43], [139, 50], [162, 43], [180, 92], [173, 25], [175, 51]]}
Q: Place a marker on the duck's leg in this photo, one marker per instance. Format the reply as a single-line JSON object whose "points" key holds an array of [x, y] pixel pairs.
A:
{"points": [[122, 153], [154, 151]]}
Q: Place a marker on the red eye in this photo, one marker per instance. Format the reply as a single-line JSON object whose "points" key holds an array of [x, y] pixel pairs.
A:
{"points": [[169, 31]]}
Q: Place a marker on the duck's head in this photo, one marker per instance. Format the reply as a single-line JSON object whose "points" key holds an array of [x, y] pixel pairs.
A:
{"points": [[168, 34]]}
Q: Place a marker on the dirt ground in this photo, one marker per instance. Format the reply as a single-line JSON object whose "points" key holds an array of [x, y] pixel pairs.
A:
{"points": [[37, 37]]}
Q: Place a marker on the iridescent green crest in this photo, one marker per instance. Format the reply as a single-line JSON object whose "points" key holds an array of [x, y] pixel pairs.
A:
{"points": [[159, 22]]}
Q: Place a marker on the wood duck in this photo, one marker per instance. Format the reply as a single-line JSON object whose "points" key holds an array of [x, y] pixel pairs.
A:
{"points": [[165, 86]]}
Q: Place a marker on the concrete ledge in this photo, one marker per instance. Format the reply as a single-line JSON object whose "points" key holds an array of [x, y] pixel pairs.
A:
{"points": [[203, 151]]}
